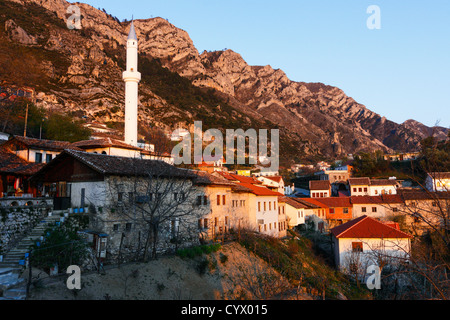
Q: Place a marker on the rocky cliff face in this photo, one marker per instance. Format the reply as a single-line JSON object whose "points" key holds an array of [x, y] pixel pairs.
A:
{"points": [[81, 74]]}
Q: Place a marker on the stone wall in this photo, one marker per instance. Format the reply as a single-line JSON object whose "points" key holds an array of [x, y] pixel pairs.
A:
{"points": [[16, 222]]}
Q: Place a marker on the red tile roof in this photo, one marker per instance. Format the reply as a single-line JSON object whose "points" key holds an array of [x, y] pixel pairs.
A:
{"points": [[313, 201], [367, 227], [259, 191], [275, 178], [336, 202]]}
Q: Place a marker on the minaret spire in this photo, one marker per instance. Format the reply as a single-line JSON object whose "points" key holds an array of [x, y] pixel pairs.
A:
{"points": [[131, 76]]}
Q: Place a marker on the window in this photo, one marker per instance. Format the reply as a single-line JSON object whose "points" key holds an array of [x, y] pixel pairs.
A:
{"points": [[360, 189], [120, 196], [394, 209], [265, 206], [374, 209], [223, 200], [216, 222], [365, 189], [363, 209], [270, 205], [357, 246], [354, 189], [345, 210], [205, 200], [48, 158], [199, 200], [131, 197], [218, 200], [259, 206], [331, 210], [38, 157], [116, 227], [128, 227]]}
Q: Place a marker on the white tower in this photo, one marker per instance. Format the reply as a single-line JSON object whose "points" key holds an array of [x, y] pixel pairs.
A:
{"points": [[131, 77]]}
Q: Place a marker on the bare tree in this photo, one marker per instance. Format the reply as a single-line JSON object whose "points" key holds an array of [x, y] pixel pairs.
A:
{"points": [[157, 203]]}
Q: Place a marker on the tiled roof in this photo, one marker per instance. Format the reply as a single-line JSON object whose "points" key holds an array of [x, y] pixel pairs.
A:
{"points": [[275, 178], [383, 199], [313, 202], [319, 185], [205, 178], [259, 191], [123, 166], [423, 195], [359, 181], [40, 144], [336, 202], [12, 164], [290, 201], [367, 227], [103, 143], [383, 182], [238, 178]]}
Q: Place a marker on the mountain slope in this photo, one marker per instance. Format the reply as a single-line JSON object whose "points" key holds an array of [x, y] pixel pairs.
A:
{"points": [[80, 72]]}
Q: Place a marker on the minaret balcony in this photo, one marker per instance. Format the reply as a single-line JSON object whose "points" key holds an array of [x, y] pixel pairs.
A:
{"points": [[132, 76]]}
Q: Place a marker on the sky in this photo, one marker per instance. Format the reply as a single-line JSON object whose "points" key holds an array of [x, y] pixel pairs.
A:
{"points": [[399, 70]]}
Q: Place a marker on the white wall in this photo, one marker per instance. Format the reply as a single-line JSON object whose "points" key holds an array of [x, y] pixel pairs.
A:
{"points": [[392, 249]]}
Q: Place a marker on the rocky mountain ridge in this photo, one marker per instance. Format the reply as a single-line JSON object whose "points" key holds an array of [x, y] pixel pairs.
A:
{"points": [[82, 75]]}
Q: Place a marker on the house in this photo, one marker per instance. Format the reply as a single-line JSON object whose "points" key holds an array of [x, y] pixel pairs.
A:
{"points": [[438, 181], [109, 147], [315, 213], [372, 187], [359, 186], [365, 241], [423, 209], [383, 186], [117, 191], [14, 174], [339, 210], [295, 211], [225, 210], [320, 188], [274, 183], [381, 207], [35, 150], [262, 213]]}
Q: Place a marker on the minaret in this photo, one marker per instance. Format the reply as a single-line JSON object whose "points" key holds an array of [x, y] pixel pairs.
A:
{"points": [[131, 77]]}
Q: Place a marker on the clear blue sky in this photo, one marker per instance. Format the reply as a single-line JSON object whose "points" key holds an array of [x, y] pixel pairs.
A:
{"points": [[400, 71]]}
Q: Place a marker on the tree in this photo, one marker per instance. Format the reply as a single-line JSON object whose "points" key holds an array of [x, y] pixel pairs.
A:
{"points": [[159, 200], [62, 127]]}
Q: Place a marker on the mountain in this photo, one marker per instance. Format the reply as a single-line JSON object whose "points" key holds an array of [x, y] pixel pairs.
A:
{"points": [[80, 72]]}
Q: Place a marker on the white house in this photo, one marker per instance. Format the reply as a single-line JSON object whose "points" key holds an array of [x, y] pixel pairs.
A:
{"points": [[438, 181], [361, 242], [372, 187], [295, 211]]}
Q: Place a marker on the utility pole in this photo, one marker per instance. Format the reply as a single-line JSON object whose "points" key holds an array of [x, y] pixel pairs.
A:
{"points": [[26, 123]]}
